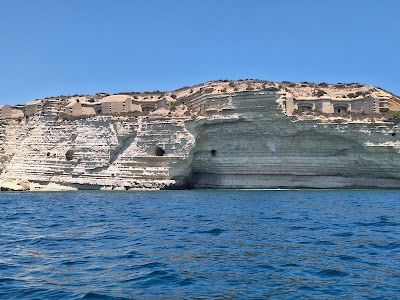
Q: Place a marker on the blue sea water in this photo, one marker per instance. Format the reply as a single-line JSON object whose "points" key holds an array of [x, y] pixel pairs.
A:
{"points": [[341, 244]]}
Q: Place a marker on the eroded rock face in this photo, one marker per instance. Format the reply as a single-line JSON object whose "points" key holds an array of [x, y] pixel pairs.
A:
{"points": [[270, 150], [236, 140], [101, 151]]}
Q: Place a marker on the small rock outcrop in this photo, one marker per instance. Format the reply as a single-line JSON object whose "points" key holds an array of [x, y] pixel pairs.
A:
{"points": [[51, 187], [11, 186]]}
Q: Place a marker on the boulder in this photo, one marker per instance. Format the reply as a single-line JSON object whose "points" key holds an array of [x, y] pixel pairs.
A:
{"points": [[106, 188], [58, 187], [119, 188], [10, 186], [51, 187], [25, 184]]}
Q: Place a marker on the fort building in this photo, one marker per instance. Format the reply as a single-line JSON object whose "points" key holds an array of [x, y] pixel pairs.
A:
{"points": [[7, 112], [361, 104], [33, 108]]}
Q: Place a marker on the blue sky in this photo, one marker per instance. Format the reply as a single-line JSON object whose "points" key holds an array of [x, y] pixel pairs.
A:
{"points": [[62, 47]]}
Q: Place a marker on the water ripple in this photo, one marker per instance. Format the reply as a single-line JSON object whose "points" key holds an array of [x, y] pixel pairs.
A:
{"points": [[332, 273], [200, 245]]}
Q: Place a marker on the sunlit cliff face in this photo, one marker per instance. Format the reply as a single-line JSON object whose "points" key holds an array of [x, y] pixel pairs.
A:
{"points": [[244, 134]]}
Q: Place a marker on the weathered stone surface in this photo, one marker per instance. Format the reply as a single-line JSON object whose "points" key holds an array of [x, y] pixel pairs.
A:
{"points": [[266, 149], [25, 184], [236, 140], [119, 188], [106, 188], [10, 186], [51, 187]]}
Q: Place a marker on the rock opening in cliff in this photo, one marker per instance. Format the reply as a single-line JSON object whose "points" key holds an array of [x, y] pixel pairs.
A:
{"points": [[159, 151], [213, 153], [70, 154]]}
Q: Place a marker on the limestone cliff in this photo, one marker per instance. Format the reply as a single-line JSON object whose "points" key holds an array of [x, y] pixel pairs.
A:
{"points": [[243, 134]]}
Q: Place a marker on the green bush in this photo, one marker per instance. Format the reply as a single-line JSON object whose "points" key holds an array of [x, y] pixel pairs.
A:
{"points": [[320, 93], [358, 94], [351, 95], [172, 107]]}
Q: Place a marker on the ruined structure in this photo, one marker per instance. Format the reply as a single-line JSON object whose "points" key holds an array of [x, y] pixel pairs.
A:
{"points": [[7, 112], [221, 134]]}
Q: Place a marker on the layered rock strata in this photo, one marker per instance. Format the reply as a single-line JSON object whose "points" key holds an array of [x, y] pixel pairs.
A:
{"points": [[224, 138]]}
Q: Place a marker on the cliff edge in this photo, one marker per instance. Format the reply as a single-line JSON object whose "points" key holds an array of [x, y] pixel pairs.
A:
{"points": [[220, 134]]}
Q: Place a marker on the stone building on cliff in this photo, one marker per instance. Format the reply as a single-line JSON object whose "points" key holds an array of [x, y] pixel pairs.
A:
{"points": [[293, 98], [7, 112], [116, 104], [367, 105], [33, 108], [77, 108]]}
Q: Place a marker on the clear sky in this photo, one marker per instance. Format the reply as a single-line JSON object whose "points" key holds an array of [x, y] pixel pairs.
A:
{"points": [[63, 47]]}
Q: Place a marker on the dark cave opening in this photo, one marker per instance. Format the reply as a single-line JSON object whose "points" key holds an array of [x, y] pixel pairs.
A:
{"points": [[159, 151]]}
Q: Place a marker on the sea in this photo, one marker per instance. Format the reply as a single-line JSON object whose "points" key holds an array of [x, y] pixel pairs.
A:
{"points": [[200, 244]]}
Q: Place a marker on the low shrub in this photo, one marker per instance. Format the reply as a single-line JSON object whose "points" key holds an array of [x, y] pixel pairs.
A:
{"points": [[172, 107], [320, 93]]}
